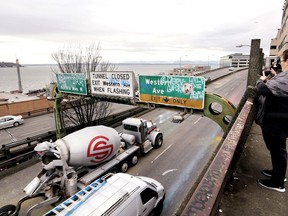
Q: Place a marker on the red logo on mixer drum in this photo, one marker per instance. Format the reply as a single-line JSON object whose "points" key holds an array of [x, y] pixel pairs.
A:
{"points": [[99, 149]]}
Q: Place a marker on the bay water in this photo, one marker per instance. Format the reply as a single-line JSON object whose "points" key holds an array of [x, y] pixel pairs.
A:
{"points": [[34, 77]]}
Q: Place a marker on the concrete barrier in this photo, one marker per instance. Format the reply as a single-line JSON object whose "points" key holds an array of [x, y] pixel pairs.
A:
{"points": [[204, 199], [205, 196]]}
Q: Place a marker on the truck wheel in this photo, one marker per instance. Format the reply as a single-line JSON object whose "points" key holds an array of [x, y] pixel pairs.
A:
{"points": [[158, 141], [134, 160], [124, 167], [7, 210]]}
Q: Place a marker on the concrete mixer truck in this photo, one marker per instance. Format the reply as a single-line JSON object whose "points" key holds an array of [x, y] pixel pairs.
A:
{"points": [[74, 161]]}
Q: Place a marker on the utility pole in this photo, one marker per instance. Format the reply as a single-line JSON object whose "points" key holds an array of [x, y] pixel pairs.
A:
{"points": [[20, 89]]}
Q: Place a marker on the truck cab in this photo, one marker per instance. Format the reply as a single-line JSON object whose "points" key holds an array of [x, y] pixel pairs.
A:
{"points": [[145, 132]]}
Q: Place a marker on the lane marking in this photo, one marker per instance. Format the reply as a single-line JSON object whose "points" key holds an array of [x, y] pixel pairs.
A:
{"points": [[161, 153], [171, 145], [11, 135], [168, 171], [197, 121]]}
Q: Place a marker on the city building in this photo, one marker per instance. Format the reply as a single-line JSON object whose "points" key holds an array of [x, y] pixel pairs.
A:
{"points": [[280, 42], [277, 46], [236, 60], [188, 70]]}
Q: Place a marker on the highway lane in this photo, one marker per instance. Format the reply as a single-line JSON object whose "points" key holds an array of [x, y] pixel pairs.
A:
{"points": [[186, 150], [41, 124], [31, 127], [234, 83], [183, 156], [217, 73]]}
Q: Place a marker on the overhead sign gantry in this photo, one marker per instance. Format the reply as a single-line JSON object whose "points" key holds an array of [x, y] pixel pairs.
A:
{"points": [[177, 91]]}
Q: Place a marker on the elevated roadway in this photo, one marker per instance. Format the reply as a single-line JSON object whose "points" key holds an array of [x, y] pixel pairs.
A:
{"points": [[187, 149]]}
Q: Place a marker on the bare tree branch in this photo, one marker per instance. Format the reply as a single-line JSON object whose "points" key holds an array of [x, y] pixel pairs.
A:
{"points": [[82, 110]]}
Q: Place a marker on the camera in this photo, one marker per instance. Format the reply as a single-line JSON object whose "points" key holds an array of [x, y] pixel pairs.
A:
{"points": [[267, 72], [276, 65]]}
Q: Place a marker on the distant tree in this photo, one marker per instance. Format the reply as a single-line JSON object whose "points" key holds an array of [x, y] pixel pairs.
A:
{"points": [[78, 59], [82, 110]]}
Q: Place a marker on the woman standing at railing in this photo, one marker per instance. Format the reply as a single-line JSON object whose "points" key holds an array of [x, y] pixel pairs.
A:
{"points": [[273, 117]]}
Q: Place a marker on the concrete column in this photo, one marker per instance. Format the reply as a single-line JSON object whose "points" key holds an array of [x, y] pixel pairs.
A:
{"points": [[255, 62]]}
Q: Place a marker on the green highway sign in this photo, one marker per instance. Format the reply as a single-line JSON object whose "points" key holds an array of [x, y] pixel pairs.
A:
{"points": [[183, 91], [72, 83]]}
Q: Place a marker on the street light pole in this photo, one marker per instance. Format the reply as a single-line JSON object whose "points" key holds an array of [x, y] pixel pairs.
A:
{"points": [[180, 63], [242, 45]]}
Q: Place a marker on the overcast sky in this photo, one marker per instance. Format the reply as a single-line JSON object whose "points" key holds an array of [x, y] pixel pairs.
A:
{"points": [[136, 30]]}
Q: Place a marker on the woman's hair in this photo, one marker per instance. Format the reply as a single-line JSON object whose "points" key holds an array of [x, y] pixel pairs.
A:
{"points": [[285, 55]]}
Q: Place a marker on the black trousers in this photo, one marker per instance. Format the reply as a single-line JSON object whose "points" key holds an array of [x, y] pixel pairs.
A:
{"points": [[277, 147]]}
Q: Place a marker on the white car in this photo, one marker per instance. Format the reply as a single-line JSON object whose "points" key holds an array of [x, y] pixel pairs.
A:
{"points": [[10, 121], [231, 68]]}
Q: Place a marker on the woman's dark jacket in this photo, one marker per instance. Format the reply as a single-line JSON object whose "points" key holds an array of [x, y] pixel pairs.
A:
{"points": [[275, 92]]}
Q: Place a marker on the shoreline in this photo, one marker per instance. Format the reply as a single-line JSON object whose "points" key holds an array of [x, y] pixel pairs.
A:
{"points": [[8, 97]]}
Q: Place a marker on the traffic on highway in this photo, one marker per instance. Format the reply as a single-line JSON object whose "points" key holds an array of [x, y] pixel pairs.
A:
{"points": [[186, 150]]}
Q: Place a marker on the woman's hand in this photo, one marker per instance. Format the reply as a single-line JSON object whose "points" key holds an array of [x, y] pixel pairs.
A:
{"points": [[273, 72], [263, 77]]}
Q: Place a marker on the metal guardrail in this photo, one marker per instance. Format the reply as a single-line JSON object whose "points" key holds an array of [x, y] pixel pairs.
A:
{"points": [[16, 152]]}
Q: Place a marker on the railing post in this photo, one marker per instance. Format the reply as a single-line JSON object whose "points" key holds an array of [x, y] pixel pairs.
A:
{"points": [[255, 62]]}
